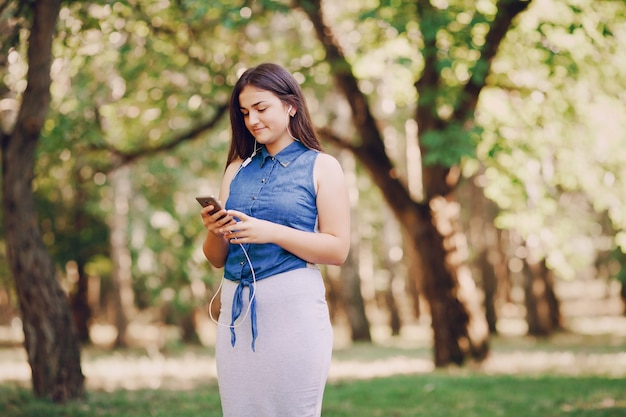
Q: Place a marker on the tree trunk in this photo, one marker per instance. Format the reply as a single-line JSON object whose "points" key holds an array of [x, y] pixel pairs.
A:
{"points": [[490, 287], [7, 311], [80, 293], [542, 306], [441, 288], [352, 298], [49, 334], [414, 278], [395, 323], [459, 327], [391, 239], [486, 242], [123, 294], [79, 301]]}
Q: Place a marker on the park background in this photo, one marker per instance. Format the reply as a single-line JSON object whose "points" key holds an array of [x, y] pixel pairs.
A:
{"points": [[484, 144]]}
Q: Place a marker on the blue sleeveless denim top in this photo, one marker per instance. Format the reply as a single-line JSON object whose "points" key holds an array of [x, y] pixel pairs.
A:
{"points": [[278, 188]]}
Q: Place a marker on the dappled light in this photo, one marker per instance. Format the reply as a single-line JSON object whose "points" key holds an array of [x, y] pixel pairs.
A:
{"points": [[573, 354], [594, 344], [484, 147]]}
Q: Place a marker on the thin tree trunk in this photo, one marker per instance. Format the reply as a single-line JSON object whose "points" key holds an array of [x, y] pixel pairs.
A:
{"points": [[7, 311], [81, 310], [414, 278], [486, 243], [542, 306], [395, 323], [80, 293], [123, 294], [49, 333], [490, 287], [391, 239], [352, 298]]}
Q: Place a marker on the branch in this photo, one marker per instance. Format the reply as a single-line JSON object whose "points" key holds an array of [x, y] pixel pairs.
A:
{"points": [[346, 81], [371, 151], [120, 158], [428, 83], [329, 135], [507, 11]]}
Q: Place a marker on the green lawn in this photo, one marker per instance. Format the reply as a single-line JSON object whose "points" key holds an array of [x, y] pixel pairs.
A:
{"points": [[567, 375], [434, 395]]}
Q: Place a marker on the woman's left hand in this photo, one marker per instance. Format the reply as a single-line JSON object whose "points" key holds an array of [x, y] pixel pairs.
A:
{"points": [[248, 229]]}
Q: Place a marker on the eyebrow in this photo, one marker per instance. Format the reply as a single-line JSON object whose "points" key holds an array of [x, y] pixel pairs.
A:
{"points": [[254, 105]]}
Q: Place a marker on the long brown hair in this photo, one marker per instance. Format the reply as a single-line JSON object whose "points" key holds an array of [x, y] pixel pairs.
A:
{"points": [[277, 80]]}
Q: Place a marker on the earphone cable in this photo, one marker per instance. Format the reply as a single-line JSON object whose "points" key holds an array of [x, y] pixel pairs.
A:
{"points": [[234, 326]]}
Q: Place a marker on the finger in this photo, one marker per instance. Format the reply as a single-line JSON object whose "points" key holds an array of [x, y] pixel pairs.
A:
{"points": [[237, 240], [241, 216]]}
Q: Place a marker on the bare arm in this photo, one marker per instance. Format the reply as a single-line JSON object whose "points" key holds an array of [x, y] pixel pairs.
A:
{"points": [[215, 246], [331, 244]]}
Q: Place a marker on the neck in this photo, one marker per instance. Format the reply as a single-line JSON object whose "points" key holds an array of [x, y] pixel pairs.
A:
{"points": [[274, 148]]}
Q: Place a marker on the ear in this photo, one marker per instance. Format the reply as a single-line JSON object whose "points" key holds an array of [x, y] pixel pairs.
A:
{"points": [[292, 110]]}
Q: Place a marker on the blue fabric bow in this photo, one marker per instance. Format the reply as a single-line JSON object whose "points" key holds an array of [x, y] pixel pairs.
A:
{"points": [[238, 307]]}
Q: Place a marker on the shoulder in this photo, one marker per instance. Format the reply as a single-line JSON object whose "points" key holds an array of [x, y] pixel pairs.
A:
{"points": [[229, 174], [325, 162], [327, 169], [232, 168]]}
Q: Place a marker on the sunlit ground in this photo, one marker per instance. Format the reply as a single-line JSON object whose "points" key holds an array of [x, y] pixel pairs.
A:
{"points": [[594, 344]]}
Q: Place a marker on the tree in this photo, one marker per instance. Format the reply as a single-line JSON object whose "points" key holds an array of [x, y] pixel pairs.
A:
{"points": [[445, 118], [93, 124], [50, 337], [555, 144]]}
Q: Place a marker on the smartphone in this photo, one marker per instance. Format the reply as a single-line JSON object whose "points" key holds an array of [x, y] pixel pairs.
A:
{"points": [[209, 201]]}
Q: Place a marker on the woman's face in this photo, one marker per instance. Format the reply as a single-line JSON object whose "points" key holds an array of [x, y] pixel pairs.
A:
{"points": [[266, 117]]}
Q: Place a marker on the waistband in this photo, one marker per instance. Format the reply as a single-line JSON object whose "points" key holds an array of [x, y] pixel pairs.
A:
{"points": [[237, 306]]}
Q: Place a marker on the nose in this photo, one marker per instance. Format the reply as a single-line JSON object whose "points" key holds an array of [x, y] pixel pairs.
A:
{"points": [[253, 118]]}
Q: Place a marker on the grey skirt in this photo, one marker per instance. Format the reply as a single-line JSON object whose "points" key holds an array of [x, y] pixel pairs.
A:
{"points": [[286, 373]]}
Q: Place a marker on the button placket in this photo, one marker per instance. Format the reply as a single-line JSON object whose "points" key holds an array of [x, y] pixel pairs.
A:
{"points": [[264, 179]]}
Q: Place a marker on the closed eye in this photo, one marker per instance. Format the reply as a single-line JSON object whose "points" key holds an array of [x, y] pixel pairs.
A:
{"points": [[246, 114]]}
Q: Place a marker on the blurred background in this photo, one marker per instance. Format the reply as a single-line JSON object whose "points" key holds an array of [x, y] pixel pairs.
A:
{"points": [[483, 142]]}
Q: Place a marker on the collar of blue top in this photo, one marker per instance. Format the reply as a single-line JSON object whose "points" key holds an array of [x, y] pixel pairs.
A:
{"points": [[285, 156]]}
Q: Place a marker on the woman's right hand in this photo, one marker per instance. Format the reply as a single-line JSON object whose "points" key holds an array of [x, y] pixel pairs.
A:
{"points": [[214, 222]]}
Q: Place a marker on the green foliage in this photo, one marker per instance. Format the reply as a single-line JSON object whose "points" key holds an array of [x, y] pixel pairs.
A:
{"points": [[399, 14], [449, 146], [554, 131], [130, 77], [619, 257]]}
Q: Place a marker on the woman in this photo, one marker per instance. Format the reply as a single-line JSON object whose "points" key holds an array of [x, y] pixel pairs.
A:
{"points": [[287, 209]]}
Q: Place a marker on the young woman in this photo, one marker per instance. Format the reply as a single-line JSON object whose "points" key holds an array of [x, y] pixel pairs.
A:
{"points": [[286, 210]]}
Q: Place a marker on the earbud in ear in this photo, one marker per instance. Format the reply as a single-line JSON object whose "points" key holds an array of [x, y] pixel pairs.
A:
{"points": [[289, 109]]}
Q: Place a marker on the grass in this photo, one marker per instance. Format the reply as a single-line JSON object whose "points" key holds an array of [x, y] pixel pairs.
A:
{"points": [[568, 375], [437, 394]]}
